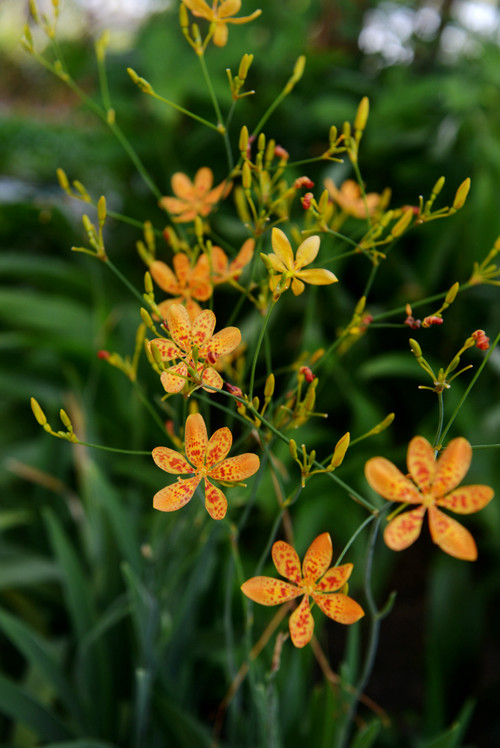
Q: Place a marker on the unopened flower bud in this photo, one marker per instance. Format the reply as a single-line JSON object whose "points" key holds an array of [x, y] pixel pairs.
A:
{"points": [[303, 182], [415, 348], [269, 386], [340, 450], [292, 446], [461, 194], [307, 373], [243, 142], [452, 293], [362, 114], [400, 226], [233, 389], [246, 176], [245, 63], [432, 319], [438, 186], [38, 412], [65, 419], [281, 153], [306, 200]]}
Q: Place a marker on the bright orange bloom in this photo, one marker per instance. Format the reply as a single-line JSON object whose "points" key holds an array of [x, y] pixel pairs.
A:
{"points": [[194, 198], [433, 484], [350, 199], [186, 283], [205, 459], [197, 348], [288, 269], [315, 579], [220, 15], [222, 270]]}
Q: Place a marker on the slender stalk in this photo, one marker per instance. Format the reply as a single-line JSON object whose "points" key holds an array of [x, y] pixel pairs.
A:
{"points": [[257, 349], [113, 449], [437, 438], [221, 126], [124, 280]]}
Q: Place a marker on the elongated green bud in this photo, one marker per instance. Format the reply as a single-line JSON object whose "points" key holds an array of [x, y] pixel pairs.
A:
{"points": [[101, 210], [246, 176], [65, 419], [438, 186], [461, 194], [245, 63], [38, 412], [243, 142], [63, 180], [146, 318], [339, 451], [292, 446], [362, 114], [452, 293], [415, 348], [403, 223], [269, 386]]}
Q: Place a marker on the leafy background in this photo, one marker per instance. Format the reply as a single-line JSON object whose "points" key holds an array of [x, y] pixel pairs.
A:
{"points": [[120, 626]]}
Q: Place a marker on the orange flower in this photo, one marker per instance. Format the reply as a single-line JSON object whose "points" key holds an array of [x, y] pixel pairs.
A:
{"points": [[194, 198], [220, 15], [350, 199], [205, 459], [196, 346], [222, 270], [289, 270], [316, 580], [433, 484], [184, 282]]}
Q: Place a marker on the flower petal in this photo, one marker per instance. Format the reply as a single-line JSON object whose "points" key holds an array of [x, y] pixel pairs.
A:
{"points": [[385, 478], [317, 276], [182, 268], [211, 378], [452, 466], [318, 557], [467, 499], [164, 277], [287, 561], [203, 180], [179, 326], [199, 280], [282, 248], [168, 350], [236, 468], [222, 343], [301, 624], [334, 578], [171, 461], [218, 446], [174, 378], [195, 437], [218, 264], [404, 529], [297, 287], [307, 251], [215, 501], [243, 257], [199, 8], [269, 591], [421, 462], [228, 8], [451, 536], [177, 495], [339, 607], [203, 328], [173, 205], [182, 186]]}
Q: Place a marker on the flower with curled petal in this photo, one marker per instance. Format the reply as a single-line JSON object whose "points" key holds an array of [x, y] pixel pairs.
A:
{"points": [[223, 270], [195, 198], [197, 348], [316, 579], [220, 15], [206, 458], [185, 282], [287, 270], [432, 484]]}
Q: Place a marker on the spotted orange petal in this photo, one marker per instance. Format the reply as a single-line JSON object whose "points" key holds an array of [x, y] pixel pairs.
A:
{"points": [[179, 326], [282, 248], [334, 578], [467, 499], [215, 501], [317, 276], [269, 591], [385, 478], [236, 468], [193, 309], [452, 466], [301, 624], [307, 251], [421, 462], [203, 180], [199, 280], [218, 446], [174, 378], [168, 350], [173, 205], [211, 378], [177, 495], [404, 529], [339, 607], [196, 439], [203, 328], [171, 461], [219, 264], [182, 268], [187, 214], [287, 561], [451, 536], [318, 557], [182, 186], [164, 277], [224, 188], [223, 342], [243, 257]]}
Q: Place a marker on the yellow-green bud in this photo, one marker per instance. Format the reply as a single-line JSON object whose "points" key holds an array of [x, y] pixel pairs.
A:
{"points": [[101, 210], [269, 386], [261, 142], [461, 194], [63, 180], [403, 223], [38, 412], [292, 446], [383, 424], [246, 176], [183, 16], [65, 419], [148, 282], [243, 142], [256, 402], [332, 137], [340, 450], [362, 114], [146, 318], [245, 63], [415, 348], [298, 69], [452, 293], [438, 186]]}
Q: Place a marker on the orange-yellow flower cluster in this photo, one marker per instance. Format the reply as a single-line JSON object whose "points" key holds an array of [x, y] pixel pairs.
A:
{"points": [[432, 484], [315, 579], [220, 15], [195, 198], [206, 458]]}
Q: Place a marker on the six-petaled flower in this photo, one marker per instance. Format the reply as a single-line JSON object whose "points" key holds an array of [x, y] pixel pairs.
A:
{"points": [[350, 199], [206, 458], [197, 348], [432, 484], [220, 15], [287, 269], [315, 579], [195, 198]]}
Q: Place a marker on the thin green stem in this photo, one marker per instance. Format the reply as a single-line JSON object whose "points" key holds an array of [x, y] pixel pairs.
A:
{"points": [[471, 385], [124, 280], [181, 109], [114, 449], [437, 438], [117, 132], [353, 537], [416, 304], [221, 128], [258, 347]]}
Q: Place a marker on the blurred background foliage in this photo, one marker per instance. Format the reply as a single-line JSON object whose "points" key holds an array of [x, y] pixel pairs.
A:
{"points": [[121, 626]]}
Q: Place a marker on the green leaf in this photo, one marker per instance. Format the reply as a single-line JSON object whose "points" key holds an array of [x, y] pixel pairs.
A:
{"points": [[19, 705], [26, 570], [366, 737], [453, 737], [80, 744], [391, 365]]}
